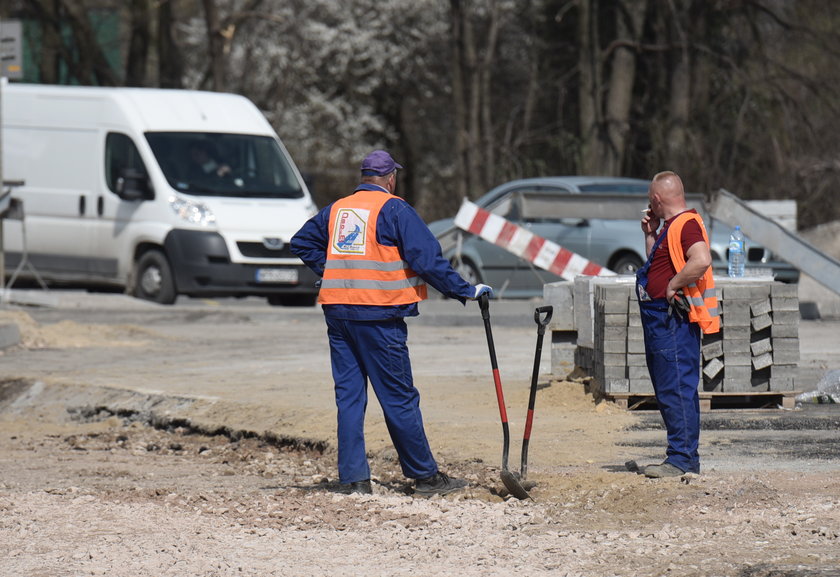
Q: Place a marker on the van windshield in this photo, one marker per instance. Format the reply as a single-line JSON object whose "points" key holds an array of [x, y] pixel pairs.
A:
{"points": [[217, 164]]}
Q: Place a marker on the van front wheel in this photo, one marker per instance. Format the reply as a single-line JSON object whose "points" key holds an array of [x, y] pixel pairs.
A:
{"points": [[153, 279]]}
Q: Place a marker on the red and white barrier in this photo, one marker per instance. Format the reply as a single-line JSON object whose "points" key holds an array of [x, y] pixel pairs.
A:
{"points": [[524, 244]]}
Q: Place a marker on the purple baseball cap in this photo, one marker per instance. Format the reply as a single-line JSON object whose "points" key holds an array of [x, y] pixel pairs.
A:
{"points": [[378, 163]]}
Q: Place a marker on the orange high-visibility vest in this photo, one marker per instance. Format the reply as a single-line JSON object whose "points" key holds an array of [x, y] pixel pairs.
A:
{"points": [[359, 270], [701, 293]]}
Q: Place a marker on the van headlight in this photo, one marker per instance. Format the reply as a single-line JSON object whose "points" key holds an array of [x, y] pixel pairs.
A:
{"points": [[192, 211]]}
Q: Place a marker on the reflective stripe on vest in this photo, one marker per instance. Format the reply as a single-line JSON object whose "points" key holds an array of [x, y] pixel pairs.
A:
{"points": [[700, 294], [359, 270]]}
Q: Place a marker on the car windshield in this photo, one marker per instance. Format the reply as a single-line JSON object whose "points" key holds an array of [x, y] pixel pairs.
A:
{"points": [[216, 164]]}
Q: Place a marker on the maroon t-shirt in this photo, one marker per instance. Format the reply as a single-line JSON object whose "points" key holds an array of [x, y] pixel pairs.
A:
{"points": [[661, 268]]}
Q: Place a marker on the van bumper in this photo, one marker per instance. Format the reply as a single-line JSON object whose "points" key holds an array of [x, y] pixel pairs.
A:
{"points": [[202, 266]]}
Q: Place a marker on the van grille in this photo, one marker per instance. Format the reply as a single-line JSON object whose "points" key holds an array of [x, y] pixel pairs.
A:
{"points": [[259, 250]]}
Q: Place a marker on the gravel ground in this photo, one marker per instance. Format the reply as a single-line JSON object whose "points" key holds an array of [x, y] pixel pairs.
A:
{"points": [[89, 488], [101, 495]]}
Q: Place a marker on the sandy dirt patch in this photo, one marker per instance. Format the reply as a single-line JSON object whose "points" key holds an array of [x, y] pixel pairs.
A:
{"points": [[86, 493], [106, 481]]}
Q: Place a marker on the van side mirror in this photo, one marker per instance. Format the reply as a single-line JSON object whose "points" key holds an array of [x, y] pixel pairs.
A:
{"points": [[133, 184]]}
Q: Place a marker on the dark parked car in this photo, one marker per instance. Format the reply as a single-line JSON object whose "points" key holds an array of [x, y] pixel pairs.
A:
{"points": [[539, 205]]}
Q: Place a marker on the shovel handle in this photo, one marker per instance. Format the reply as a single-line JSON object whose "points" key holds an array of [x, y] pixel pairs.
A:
{"points": [[484, 305], [542, 316]]}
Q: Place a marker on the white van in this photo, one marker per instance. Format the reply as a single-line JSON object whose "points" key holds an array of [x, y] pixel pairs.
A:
{"points": [[162, 192]]}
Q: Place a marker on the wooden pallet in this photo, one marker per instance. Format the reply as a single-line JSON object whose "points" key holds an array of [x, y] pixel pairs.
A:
{"points": [[709, 401]]}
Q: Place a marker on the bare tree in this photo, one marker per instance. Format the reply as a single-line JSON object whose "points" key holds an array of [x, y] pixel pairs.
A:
{"points": [[216, 67], [590, 86], [605, 103], [680, 88], [485, 104], [472, 92], [170, 59], [472, 67], [91, 66], [461, 38], [139, 43], [49, 62], [81, 54], [629, 15]]}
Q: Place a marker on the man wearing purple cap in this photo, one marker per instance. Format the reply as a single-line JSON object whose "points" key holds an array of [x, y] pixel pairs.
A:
{"points": [[375, 255]]}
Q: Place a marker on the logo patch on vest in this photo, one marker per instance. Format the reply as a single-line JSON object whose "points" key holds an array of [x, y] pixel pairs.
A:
{"points": [[350, 231]]}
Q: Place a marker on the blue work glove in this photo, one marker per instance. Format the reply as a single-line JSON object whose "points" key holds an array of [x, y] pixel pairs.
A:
{"points": [[481, 289]]}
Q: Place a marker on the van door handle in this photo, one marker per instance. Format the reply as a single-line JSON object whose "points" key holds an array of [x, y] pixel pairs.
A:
{"points": [[82, 205], [100, 205]]}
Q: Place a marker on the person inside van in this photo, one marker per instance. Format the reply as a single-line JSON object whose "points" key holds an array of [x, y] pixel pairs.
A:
{"points": [[203, 162]]}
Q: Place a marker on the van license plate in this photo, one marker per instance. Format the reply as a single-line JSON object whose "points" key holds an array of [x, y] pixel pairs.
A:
{"points": [[277, 275]]}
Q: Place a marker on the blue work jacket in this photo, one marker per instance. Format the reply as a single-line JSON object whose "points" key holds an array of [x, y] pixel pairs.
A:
{"points": [[398, 225]]}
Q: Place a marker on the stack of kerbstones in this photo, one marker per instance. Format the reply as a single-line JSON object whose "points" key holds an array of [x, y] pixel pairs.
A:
{"points": [[757, 349], [759, 339]]}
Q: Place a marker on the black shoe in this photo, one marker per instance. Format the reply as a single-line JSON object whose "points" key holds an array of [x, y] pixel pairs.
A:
{"points": [[360, 487], [438, 484]]}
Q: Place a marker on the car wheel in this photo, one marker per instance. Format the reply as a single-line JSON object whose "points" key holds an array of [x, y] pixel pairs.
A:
{"points": [[294, 300], [467, 270], [627, 264], [153, 280]]}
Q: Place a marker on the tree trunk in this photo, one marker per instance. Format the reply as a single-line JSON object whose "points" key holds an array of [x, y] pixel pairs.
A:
{"points": [[678, 110], [700, 112], [91, 67], [473, 104], [533, 81], [216, 46], [472, 91], [170, 59], [486, 167], [629, 21], [49, 64], [459, 98], [680, 100], [589, 67], [138, 45], [410, 179]]}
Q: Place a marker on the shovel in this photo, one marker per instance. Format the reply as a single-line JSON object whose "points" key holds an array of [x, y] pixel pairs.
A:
{"points": [[508, 478], [542, 316]]}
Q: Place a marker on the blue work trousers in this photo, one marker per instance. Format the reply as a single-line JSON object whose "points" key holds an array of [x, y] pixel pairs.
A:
{"points": [[672, 347], [376, 350]]}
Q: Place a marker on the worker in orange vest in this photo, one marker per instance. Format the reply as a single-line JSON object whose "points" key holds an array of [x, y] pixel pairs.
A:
{"points": [[375, 256], [677, 302]]}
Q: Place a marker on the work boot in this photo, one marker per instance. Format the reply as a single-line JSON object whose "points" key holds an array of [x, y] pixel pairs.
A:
{"points": [[438, 484], [665, 469], [360, 487]]}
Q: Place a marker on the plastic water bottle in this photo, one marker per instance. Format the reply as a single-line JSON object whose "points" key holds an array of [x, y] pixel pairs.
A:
{"points": [[737, 257]]}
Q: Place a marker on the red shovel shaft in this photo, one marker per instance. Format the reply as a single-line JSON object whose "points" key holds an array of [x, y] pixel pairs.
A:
{"points": [[500, 396], [484, 305], [528, 422]]}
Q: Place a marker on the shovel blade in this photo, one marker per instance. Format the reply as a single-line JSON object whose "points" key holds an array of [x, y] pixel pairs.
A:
{"points": [[513, 485]]}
